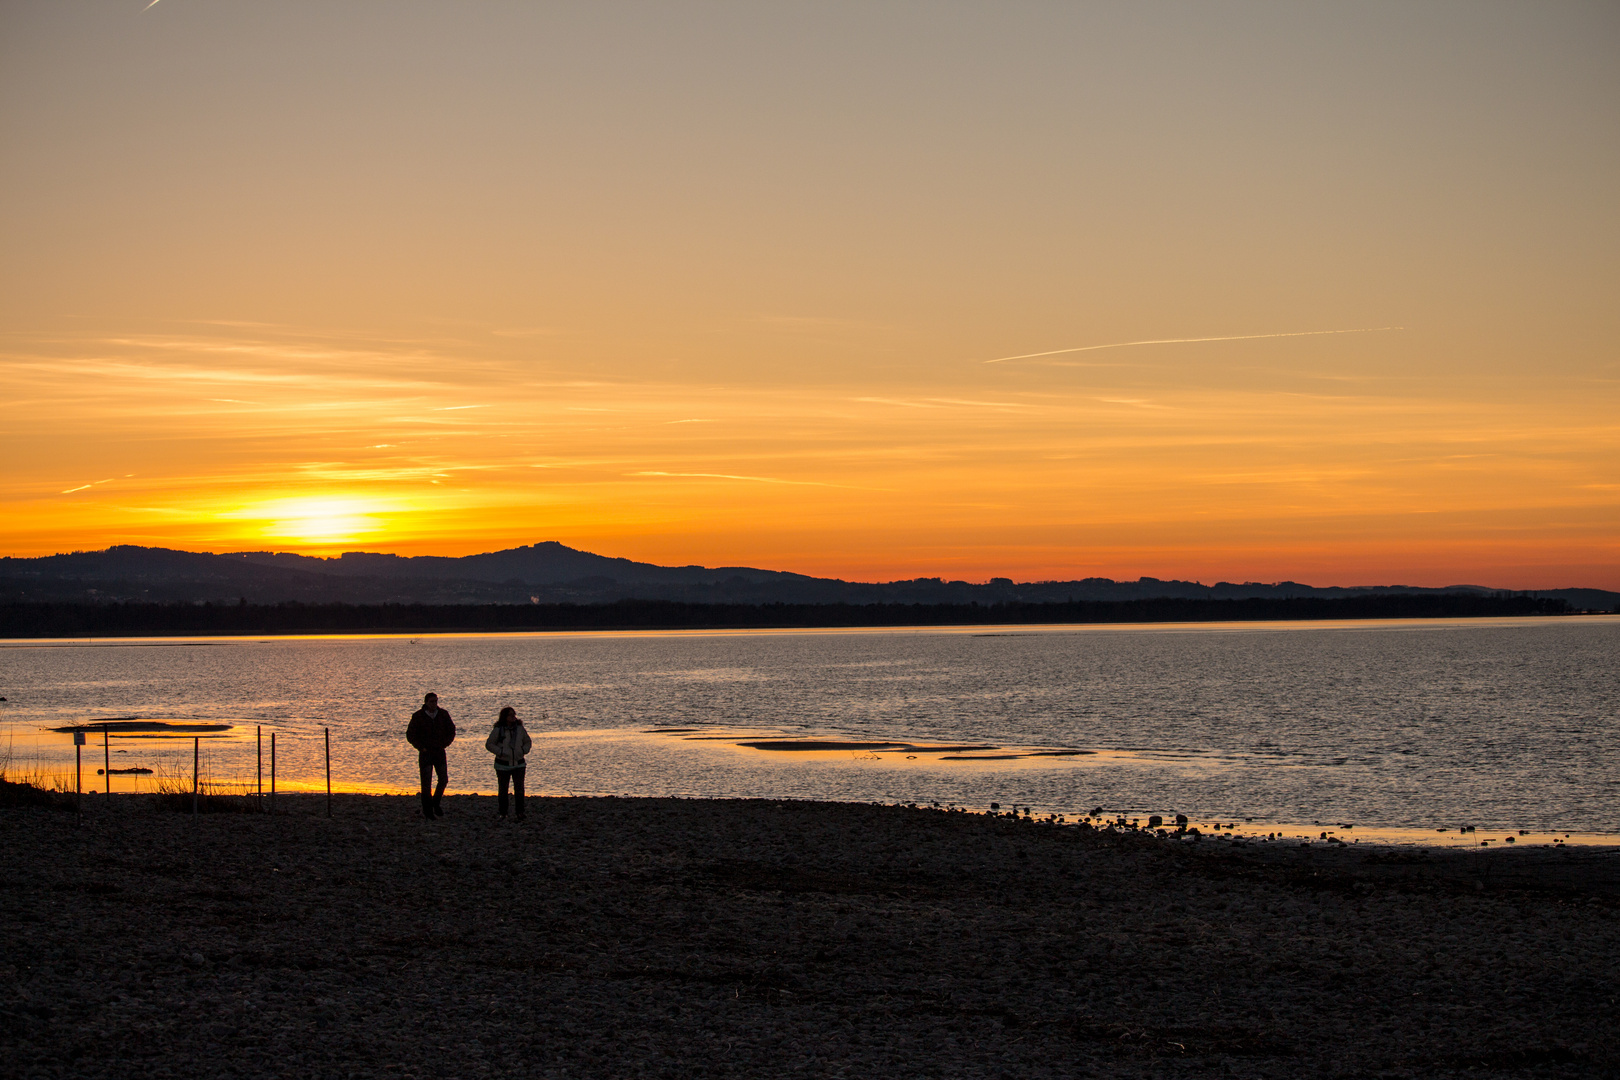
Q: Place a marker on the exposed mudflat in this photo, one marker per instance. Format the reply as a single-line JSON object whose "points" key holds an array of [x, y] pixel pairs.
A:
{"points": [[687, 938]]}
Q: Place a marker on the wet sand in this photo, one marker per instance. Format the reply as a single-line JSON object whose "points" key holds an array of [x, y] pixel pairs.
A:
{"points": [[691, 938]]}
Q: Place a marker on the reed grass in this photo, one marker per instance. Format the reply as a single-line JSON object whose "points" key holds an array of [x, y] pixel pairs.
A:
{"points": [[173, 791], [33, 785]]}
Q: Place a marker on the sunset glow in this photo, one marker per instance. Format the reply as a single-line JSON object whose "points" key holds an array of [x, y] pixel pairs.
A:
{"points": [[1255, 295], [312, 522]]}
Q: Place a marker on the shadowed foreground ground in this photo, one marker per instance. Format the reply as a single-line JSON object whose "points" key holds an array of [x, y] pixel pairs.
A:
{"points": [[638, 937]]}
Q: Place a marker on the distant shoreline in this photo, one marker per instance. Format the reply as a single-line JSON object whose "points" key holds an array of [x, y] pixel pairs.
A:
{"points": [[135, 620], [69, 620]]}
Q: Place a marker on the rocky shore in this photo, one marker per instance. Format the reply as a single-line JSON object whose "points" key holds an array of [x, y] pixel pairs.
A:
{"points": [[688, 938]]}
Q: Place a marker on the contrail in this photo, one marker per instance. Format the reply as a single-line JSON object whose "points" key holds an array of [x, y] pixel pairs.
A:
{"points": [[1182, 340], [149, 7], [91, 484]]}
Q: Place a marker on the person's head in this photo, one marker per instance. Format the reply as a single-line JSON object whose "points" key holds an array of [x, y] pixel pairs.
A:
{"points": [[431, 701], [508, 716]]}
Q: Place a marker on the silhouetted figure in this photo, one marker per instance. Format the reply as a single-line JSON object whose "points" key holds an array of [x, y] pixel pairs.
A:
{"points": [[431, 731], [510, 744]]}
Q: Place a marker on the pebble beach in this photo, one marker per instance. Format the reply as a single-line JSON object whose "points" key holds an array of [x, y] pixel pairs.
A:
{"points": [[699, 938]]}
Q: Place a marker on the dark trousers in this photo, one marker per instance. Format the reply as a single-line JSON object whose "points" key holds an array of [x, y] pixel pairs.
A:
{"points": [[515, 778], [431, 761]]}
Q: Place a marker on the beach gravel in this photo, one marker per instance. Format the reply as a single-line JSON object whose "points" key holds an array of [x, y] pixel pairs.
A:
{"points": [[695, 938]]}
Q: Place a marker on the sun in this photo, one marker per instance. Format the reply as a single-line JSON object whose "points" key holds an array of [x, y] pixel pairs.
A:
{"points": [[317, 522]]}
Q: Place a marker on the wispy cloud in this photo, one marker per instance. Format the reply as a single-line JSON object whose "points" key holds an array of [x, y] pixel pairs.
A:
{"points": [[731, 476], [902, 404], [1140, 403], [982, 404], [294, 351], [943, 403], [1188, 340], [817, 322], [524, 332]]}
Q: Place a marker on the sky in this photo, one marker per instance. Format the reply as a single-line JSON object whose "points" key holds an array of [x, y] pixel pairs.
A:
{"points": [[1215, 291]]}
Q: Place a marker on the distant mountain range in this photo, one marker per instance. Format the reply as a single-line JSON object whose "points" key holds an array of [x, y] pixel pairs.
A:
{"points": [[550, 572]]}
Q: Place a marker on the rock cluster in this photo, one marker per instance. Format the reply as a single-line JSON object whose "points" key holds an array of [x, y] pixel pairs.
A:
{"points": [[691, 938]]}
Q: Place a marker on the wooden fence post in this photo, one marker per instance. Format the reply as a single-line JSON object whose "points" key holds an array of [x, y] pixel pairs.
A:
{"points": [[78, 777]]}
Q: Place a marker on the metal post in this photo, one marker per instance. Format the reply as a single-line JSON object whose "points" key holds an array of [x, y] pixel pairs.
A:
{"points": [[328, 771], [259, 735], [106, 757], [196, 749], [272, 772], [78, 775]]}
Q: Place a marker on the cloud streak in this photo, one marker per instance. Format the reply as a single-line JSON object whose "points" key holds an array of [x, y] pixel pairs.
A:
{"points": [[754, 479], [1187, 340], [91, 484]]}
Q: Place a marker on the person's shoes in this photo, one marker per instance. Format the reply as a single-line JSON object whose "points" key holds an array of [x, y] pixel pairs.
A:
{"points": [[438, 811], [427, 815]]}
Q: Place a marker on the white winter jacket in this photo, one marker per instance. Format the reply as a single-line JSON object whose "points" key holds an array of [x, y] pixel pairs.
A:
{"points": [[510, 744]]}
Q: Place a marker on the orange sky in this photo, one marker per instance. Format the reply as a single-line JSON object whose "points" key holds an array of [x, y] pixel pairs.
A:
{"points": [[716, 284]]}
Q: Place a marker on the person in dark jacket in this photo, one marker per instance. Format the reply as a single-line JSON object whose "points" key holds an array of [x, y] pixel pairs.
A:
{"points": [[510, 744], [431, 731]]}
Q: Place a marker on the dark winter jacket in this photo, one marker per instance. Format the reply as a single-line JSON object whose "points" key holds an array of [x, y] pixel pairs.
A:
{"points": [[430, 733]]}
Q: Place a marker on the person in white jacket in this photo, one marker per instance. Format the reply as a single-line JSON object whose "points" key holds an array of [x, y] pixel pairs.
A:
{"points": [[510, 744]]}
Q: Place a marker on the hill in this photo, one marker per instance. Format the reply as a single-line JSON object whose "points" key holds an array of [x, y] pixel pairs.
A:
{"points": [[552, 573]]}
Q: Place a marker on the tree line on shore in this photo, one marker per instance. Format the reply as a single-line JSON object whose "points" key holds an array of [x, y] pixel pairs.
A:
{"points": [[65, 620]]}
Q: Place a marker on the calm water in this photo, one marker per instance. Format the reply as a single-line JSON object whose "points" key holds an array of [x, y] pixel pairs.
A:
{"points": [[1499, 723]]}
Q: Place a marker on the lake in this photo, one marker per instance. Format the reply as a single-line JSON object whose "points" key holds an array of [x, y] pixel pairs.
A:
{"points": [[1396, 727]]}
